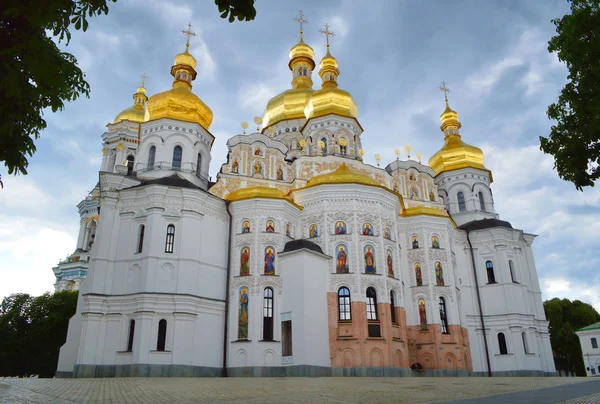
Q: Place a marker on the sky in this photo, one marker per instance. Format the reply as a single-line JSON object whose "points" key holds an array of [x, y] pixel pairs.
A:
{"points": [[392, 56]]}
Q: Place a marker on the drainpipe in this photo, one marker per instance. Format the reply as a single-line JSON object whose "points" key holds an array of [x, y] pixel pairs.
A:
{"points": [[485, 343], [226, 327]]}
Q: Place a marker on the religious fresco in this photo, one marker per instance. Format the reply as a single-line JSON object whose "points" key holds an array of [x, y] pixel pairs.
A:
{"points": [[418, 275], [415, 242], [411, 176], [431, 196], [369, 260], [288, 230], [243, 314], [341, 255], [279, 174], [235, 167], [395, 187], [269, 261], [245, 262], [340, 227], [422, 314], [313, 231], [414, 192], [257, 168], [367, 229], [270, 228], [246, 227], [439, 274], [258, 151], [387, 234], [390, 263], [435, 242]]}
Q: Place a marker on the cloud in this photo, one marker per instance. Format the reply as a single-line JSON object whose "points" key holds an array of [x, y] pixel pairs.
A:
{"points": [[339, 26], [487, 77], [107, 39], [255, 96]]}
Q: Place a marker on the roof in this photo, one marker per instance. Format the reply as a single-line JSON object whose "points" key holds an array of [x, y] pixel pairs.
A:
{"points": [[295, 245], [595, 326], [485, 224], [171, 181]]}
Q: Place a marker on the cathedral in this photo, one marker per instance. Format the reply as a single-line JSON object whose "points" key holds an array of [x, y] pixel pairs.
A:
{"points": [[299, 259]]}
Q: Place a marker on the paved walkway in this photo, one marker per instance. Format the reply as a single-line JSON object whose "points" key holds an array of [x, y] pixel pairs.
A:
{"points": [[297, 390]]}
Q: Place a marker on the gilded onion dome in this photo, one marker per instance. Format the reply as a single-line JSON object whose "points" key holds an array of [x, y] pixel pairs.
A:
{"points": [[136, 112], [343, 175], [179, 102], [258, 192], [455, 154], [290, 104]]}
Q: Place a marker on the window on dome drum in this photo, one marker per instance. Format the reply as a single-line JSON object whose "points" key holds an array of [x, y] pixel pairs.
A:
{"points": [[443, 316], [502, 344], [481, 201], [130, 337], [461, 202], [393, 307], [511, 267], [489, 268], [162, 335], [324, 140], [268, 315], [151, 157], [594, 343], [177, 151], [525, 347], [371, 304], [170, 242], [199, 166], [344, 304], [140, 244], [130, 160]]}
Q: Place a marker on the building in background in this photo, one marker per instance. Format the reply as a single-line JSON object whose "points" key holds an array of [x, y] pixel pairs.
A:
{"points": [[588, 338]]}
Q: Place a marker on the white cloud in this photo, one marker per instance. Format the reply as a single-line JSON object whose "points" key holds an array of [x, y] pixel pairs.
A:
{"points": [[107, 39], [22, 192], [577, 290], [206, 64], [339, 26], [255, 97], [487, 77]]}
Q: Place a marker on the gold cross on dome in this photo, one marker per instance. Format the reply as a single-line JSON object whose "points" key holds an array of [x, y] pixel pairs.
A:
{"points": [[445, 89], [189, 33], [301, 21], [144, 77], [327, 33]]}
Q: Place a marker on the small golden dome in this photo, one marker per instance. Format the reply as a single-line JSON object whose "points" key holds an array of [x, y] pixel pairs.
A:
{"points": [[136, 112], [343, 175], [259, 192], [301, 49], [185, 58]]}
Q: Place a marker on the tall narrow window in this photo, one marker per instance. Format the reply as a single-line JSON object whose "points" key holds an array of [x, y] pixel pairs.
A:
{"points": [[140, 244], [130, 160], [324, 140], [344, 304], [461, 202], [443, 316], [170, 239], [286, 338], [130, 337], [268, 315], [151, 157], [199, 166], [525, 347], [177, 151], [489, 267], [594, 343], [371, 304], [481, 201], [162, 335], [511, 268], [502, 344], [393, 307]]}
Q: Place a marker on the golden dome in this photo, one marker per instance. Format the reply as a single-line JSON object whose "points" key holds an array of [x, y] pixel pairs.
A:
{"points": [[179, 103], [136, 112], [343, 175], [259, 192], [301, 49]]}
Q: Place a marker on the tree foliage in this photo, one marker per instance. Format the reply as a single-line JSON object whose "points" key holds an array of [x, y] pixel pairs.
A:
{"points": [[32, 330], [575, 139], [565, 317], [243, 10]]}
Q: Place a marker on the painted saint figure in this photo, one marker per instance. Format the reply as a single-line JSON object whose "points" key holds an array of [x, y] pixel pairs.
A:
{"points": [[390, 264], [258, 152], [395, 187], [418, 275], [340, 228], [342, 260], [269, 261], [279, 174], [439, 274], [235, 167], [270, 227], [288, 230], [411, 176], [431, 196], [386, 234], [257, 168], [245, 262], [415, 242], [243, 314], [367, 230], [422, 314], [369, 261], [435, 243], [312, 231], [246, 227]]}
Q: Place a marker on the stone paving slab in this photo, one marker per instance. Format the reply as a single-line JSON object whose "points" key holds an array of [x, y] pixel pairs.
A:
{"points": [[270, 390]]}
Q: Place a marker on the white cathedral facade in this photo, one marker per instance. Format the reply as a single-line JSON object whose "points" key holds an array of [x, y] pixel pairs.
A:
{"points": [[299, 259]]}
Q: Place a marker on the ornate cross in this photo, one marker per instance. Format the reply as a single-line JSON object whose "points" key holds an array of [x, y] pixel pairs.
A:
{"points": [[327, 34], [144, 77], [301, 21], [445, 89], [189, 33]]}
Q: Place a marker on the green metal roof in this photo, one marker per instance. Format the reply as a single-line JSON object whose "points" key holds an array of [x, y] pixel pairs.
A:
{"points": [[595, 326]]}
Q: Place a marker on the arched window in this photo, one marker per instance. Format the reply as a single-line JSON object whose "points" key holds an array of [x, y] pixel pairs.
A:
{"points": [[443, 316], [489, 267], [151, 157], [324, 140], [371, 304], [162, 335], [524, 337], [461, 202], [130, 337], [130, 160], [140, 244], [268, 315], [511, 268], [199, 166], [502, 344], [481, 201], [170, 239], [344, 308], [177, 151], [393, 307]]}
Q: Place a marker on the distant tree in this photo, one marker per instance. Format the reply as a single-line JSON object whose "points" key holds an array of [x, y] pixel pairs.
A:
{"points": [[565, 317], [575, 139], [32, 330], [243, 10]]}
